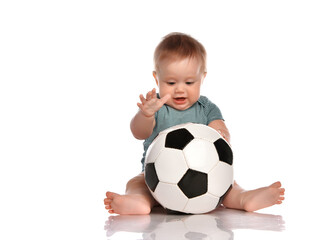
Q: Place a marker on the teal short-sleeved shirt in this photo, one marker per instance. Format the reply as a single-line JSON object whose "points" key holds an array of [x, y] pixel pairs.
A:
{"points": [[202, 112]]}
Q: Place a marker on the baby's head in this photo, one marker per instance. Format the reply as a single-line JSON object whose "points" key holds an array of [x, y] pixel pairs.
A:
{"points": [[180, 67], [177, 46]]}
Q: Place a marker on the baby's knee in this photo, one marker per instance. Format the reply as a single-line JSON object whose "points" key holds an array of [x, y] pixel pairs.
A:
{"points": [[138, 180]]}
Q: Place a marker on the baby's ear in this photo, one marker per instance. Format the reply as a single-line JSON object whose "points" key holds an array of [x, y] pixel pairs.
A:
{"points": [[155, 76], [204, 75]]}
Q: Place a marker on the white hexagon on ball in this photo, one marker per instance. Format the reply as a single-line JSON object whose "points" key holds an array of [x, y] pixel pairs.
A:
{"points": [[170, 165], [201, 204], [201, 155], [170, 196], [199, 132], [153, 152], [220, 178]]}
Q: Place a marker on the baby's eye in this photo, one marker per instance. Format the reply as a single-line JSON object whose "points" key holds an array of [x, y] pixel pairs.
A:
{"points": [[189, 83], [170, 83]]}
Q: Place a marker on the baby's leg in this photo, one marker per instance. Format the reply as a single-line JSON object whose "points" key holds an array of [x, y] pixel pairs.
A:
{"points": [[256, 199], [137, 198]]}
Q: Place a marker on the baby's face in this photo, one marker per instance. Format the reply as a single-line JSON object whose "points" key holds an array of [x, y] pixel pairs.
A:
{"points": [[182, 80]]}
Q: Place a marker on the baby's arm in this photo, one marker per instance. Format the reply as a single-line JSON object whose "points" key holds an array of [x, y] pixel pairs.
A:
{"points": [[220, 126], [143, 123]]}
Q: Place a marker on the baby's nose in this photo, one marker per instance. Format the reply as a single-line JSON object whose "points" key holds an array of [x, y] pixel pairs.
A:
{"points": [[179, 88]]}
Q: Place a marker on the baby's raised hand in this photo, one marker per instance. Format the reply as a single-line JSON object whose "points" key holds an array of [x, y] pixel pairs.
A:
{"points": [[151, 104]]}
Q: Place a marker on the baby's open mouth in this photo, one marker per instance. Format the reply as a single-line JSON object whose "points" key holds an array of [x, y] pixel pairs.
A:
{"points": [[179, 100]]}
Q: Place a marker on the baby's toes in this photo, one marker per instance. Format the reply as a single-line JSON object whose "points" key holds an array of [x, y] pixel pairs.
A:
{"points": [[281, 198], [282, 190], [276, 185], [107, 202]]}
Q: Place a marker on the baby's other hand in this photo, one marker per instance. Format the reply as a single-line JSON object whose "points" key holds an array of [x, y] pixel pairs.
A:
{"points": [[151, 104]]}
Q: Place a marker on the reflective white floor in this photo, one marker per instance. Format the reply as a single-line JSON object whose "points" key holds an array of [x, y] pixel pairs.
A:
{"points": [[222, 224]]}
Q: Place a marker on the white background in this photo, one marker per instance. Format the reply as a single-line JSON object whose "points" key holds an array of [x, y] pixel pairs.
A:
{"points": [[70, 76]]}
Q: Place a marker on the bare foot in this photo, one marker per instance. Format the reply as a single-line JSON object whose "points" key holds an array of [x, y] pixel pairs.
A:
{"points": [[127, 204], [263, 197]]}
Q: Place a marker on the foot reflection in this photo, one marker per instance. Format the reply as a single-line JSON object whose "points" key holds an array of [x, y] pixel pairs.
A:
{"points": [[218, 224]]}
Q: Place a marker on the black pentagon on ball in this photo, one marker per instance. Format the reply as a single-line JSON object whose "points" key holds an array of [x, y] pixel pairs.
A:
{"points": [[193, 183], [178, 139], [224, 151], [151, 177]]}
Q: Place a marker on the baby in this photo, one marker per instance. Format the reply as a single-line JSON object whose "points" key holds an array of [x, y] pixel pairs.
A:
{"points": [[180, 68]]}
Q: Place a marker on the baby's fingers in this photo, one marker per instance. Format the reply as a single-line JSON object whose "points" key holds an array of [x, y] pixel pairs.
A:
{"points": [[141, 106], [150, 95], [165, 99], [142, 99]]}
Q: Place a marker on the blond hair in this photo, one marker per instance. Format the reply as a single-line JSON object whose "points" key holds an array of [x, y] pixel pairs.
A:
{"points": [[180, 46]]}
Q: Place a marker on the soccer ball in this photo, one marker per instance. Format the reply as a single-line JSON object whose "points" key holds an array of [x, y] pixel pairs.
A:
{"points": [[189, 168]]}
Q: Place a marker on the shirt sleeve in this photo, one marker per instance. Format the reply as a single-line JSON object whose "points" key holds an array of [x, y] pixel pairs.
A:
{"points": [[212, 112]]}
